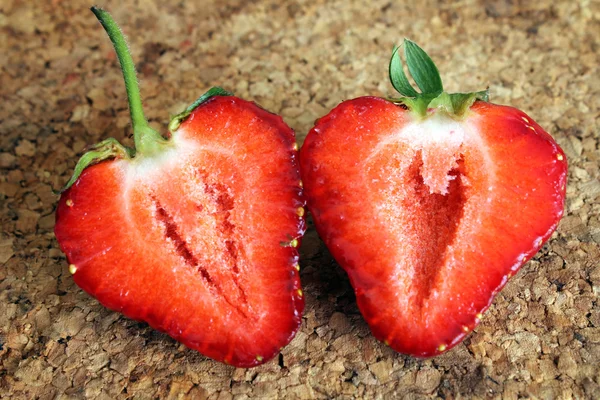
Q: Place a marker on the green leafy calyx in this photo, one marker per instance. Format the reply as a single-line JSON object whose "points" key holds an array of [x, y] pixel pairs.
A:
{"points": [[427, 78]]}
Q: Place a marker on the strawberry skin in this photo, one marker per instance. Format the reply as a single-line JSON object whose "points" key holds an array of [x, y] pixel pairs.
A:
{"points": [[190, 241], [430, 216]]}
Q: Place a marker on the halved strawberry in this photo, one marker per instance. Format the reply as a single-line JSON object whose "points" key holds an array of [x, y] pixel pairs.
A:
{"points": [[196, 235], [430, 203]]}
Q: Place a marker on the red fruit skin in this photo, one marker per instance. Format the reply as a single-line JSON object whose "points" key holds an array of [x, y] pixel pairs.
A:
{"points": [[191, 242], [426, 312]]}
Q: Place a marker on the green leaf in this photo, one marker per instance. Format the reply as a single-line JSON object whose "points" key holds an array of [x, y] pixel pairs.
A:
{"points": [[398, 77], [461, 102], [422, 69], [179, 118]]}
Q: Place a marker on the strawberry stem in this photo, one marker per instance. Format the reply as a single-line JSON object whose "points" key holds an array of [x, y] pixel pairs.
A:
{"points": [[146, 139], [427, 77]]}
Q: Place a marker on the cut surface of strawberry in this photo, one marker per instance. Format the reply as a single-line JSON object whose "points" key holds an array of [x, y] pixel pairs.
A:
{"points": [[197, 235], [430, 208]]}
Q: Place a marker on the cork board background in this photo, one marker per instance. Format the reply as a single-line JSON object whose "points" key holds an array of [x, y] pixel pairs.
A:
{"points": [[61, 89]]}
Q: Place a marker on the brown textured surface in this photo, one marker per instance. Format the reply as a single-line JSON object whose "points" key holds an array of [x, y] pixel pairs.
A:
{"points": [[61, 89]]}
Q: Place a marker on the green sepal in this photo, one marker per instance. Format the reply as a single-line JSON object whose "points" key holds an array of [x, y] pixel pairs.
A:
{"points": [[398, 77], [179, 118], [456, 104], [106, 149], [422, 69], [418, 105]]}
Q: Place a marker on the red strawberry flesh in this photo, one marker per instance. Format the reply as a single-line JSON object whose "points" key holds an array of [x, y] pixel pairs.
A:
{"points": [[190, 240], [430, 217]]}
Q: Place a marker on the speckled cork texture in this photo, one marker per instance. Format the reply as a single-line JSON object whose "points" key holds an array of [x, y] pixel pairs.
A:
{"points": [[62, 89]]}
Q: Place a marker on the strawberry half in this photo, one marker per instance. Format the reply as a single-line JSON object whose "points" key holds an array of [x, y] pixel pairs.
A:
{"points": [[198, 234], [430, 203]]}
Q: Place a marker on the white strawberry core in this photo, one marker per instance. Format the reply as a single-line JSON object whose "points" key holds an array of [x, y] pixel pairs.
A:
{"points": [[438, 139], [187, 196], [418, 182]]}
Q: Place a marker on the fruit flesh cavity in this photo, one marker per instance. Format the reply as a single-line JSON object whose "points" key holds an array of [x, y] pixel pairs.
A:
{"points": [[441, 229], [195, 234]]}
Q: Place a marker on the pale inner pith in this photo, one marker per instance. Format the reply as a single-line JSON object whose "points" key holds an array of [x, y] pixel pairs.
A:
{"points": [[417, 179], [192, 214]]}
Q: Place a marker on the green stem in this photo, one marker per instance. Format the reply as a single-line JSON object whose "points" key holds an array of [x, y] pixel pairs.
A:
{"points": [[146, 139]]}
